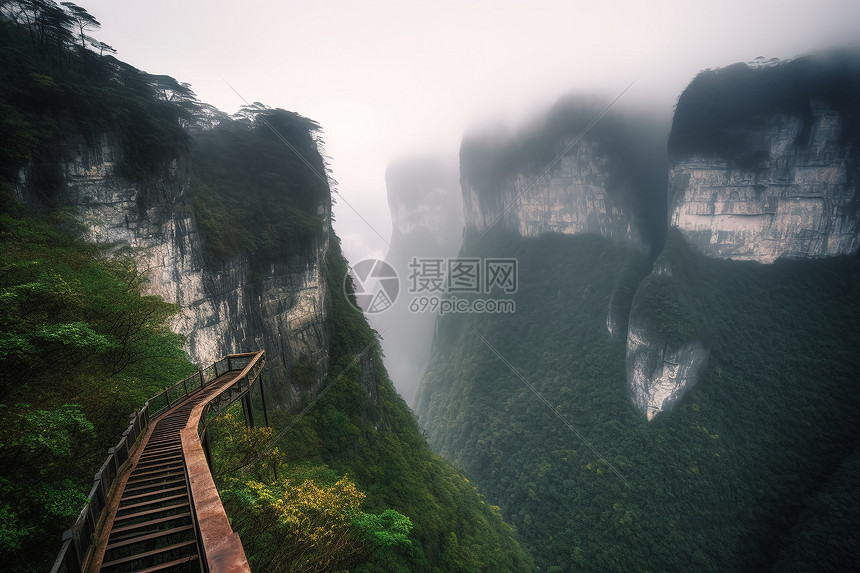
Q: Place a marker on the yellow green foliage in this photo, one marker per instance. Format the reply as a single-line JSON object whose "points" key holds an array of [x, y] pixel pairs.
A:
{"points": [[307, 519]]}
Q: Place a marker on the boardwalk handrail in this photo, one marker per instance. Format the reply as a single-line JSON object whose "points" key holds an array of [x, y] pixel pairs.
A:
{"points": [[244, 383], [222, 549], [77, 541]]}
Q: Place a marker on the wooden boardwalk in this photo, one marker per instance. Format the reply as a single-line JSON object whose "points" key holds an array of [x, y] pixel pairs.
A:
{"points": [[164, 512]]}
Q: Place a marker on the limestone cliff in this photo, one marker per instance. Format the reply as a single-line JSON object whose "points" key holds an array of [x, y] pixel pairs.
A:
{"points": [[764, 161], [225, 308], [659, 373], [763, 164], [570, 198], [799, 200], [664, 356], [565, 173]]}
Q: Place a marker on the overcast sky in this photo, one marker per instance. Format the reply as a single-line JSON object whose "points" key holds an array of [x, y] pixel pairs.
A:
{"points": [[393, 78]]}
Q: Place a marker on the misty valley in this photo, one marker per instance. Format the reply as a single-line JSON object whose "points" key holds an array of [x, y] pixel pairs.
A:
{"points": [[604, 339]]}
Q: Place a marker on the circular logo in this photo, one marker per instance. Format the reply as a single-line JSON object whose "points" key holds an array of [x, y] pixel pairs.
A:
{"points": [[376, 285]]}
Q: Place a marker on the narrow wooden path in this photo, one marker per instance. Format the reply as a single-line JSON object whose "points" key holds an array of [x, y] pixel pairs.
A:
{"points": [[153, 525], [164, 512]]}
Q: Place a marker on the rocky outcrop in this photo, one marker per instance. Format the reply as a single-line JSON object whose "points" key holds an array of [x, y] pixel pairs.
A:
{"points": [[570, 198], [797, 198], [232, 307], [660, 366], [658, 374]]}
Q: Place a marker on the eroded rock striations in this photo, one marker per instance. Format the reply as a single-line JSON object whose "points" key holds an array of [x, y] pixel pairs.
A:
{"points": [[798, 202], [764, 161], [578, 168], [226, 308], [658, 373], [570, 198]]}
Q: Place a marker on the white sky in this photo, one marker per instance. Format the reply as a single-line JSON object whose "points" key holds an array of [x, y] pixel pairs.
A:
{"points": [[393, 78]]}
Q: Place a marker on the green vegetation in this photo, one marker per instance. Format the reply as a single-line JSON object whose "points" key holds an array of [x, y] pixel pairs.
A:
{"points": [[80, 347], [52, 84], [826, 535], [625, 289], [298, 517], [664, 304], [719, 108], [360, 430], [749, 472], [252, 192]]}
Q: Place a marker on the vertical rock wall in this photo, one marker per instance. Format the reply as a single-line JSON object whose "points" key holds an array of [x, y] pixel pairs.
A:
{"points": [[234, 307], [798, 198], [570, 198]]}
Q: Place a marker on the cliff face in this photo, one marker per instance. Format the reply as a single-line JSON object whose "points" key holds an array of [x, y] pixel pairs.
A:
{"points": [[571, 198], [578, 168], [763, 165], [661, 367], [764, 159], [800, 200], [657, 373], [233, 307]]}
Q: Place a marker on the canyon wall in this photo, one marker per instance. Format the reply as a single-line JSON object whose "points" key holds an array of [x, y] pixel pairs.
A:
{"points": [[223, 308]]}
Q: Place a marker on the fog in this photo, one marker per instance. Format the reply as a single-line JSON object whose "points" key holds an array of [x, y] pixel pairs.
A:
{"points": [[387, 79]]}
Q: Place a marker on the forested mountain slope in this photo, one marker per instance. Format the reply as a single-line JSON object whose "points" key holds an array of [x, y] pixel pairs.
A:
{"points": [[711, 427], [737, 477], [219, 217]]}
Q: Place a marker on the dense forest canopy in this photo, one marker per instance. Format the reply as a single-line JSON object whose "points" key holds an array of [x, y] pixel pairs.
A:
{"points": [[53, 82], [252, 190], [746, 472]]}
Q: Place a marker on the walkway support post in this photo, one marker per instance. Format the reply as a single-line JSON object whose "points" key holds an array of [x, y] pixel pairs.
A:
{"points": [[248, 410], [208, 451], [263, 396]]}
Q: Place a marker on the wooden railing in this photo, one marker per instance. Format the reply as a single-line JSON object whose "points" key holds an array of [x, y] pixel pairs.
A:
{"points": [[254, 363], [221, 547], [78, 540]]}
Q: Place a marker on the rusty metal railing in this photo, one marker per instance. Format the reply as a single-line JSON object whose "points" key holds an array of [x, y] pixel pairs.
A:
{"points": [[78, 540], [221, 548], [254, 363]]}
